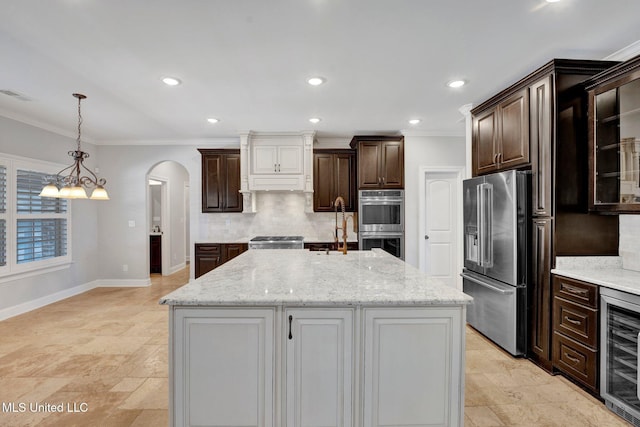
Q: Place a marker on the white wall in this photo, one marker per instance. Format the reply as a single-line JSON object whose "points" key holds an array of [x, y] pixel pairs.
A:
{"points": [[422, 151], [126, 168], [19, 139], [176, 176]]}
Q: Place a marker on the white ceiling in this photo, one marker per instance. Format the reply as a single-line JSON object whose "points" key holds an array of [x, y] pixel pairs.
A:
{"points": [[246, 62]]}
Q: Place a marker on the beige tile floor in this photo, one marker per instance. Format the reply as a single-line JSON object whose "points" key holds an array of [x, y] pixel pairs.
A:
{"points": [[107, 348]]}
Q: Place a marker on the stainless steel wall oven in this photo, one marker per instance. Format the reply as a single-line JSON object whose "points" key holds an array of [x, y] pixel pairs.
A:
{"points": [[381, 220], [620, 353], [381, 211]]}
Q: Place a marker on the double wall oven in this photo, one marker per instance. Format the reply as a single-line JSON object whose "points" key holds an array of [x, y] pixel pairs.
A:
{"points": [[381, 220]]}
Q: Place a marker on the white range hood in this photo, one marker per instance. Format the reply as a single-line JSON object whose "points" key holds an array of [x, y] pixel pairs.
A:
{"points": [[276, 161]]}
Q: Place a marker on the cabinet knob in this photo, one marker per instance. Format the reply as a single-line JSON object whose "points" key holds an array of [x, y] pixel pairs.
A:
{"points": [[426, 237]]}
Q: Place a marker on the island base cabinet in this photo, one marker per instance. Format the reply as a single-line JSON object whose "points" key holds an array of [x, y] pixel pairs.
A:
{"points": [[319, 367], [413, 367], [223, 369], [316, 366]]}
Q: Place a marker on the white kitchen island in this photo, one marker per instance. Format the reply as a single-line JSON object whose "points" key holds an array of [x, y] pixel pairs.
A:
{"points": [[281, 337]]}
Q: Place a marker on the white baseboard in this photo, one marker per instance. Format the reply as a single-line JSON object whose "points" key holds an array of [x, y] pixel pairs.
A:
{"points": [[123, 283], [177, 268], [46, 300], [25, 307]]}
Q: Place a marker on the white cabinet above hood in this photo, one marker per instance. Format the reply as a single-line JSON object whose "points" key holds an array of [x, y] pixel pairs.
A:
{"points": [[276, 162]]}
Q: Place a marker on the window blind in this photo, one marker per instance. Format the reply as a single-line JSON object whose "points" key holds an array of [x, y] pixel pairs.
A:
{"points": [[39, 239], [3, 242], [3, 189], [29, 184]]}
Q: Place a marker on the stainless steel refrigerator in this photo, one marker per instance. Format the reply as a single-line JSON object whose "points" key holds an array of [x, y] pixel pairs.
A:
{"points": [[495, 270]]}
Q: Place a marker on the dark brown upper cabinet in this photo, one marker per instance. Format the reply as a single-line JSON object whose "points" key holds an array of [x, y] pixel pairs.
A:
{"points": [[501, 135], [614, 139], [380, 161], [334, 174], [221, 180]]}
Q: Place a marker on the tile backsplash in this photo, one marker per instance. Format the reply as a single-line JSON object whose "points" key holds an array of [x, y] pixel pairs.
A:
{"points": [[278, 214], [629, 248]]}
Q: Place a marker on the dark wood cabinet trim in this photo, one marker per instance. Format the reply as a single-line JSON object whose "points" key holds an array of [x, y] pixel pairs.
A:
{"points": [[557, 66]]}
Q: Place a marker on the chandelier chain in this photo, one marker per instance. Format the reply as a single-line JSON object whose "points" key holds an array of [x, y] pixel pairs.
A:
{"points": [[79, 121]]}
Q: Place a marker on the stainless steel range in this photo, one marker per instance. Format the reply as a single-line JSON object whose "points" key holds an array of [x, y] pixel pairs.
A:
{"points": [[276, 242]]}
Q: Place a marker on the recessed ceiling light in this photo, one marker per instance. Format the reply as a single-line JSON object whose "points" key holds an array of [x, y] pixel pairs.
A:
{"points": [[316, 81], [552, 1], [213, 120], [456, 83], [171, 81], [414, 121], [315, 120]]}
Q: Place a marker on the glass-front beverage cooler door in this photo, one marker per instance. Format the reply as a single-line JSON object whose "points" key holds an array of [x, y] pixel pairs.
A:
{"points": [[622, 355]]}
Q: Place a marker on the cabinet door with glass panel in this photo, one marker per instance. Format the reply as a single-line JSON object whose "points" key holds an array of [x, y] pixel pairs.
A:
{"points": [[614, 139]]}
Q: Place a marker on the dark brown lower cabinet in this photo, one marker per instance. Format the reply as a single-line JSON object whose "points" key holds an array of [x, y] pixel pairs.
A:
{"points": [[540, 293], [155, 254], [232, 250], [575, 331], [212, 255]]}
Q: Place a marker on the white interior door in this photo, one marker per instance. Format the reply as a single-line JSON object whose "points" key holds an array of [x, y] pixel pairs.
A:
{"points": [[441, 223]]}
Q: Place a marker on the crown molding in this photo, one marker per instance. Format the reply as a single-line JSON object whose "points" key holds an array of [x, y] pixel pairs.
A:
{"points": [[12, 115], [432, 133], [625, 53], [201, 142]]}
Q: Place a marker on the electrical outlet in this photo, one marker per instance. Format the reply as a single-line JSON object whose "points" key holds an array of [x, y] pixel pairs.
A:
{"points": [[132, 223], [125, 267]]}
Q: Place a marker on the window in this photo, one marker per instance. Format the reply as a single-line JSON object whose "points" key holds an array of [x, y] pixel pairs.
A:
{"points": [[34, 230]]}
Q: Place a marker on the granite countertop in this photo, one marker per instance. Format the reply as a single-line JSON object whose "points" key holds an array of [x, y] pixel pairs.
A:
{"points": [[306, 278], [246, 240], [603, 271]]}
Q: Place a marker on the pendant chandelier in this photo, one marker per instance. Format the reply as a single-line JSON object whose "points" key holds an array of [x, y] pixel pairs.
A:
{"points": [[68, 183]]}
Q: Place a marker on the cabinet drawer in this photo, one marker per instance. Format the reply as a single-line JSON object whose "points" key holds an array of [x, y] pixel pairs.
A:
{"points": [[208, 249], [576, 360], [576, 321], [576, 291]]}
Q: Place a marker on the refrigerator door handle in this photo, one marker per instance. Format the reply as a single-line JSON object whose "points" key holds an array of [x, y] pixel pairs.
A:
{"points": [[485, 220], [480, 222], [487, 285], [638, 373]]}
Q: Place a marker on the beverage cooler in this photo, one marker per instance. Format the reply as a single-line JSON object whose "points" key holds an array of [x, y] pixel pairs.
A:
{"points": [[620, 347]]}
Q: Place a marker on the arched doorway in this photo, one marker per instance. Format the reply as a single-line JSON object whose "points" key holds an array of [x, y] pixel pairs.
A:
{"points": [[167, 184]]}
